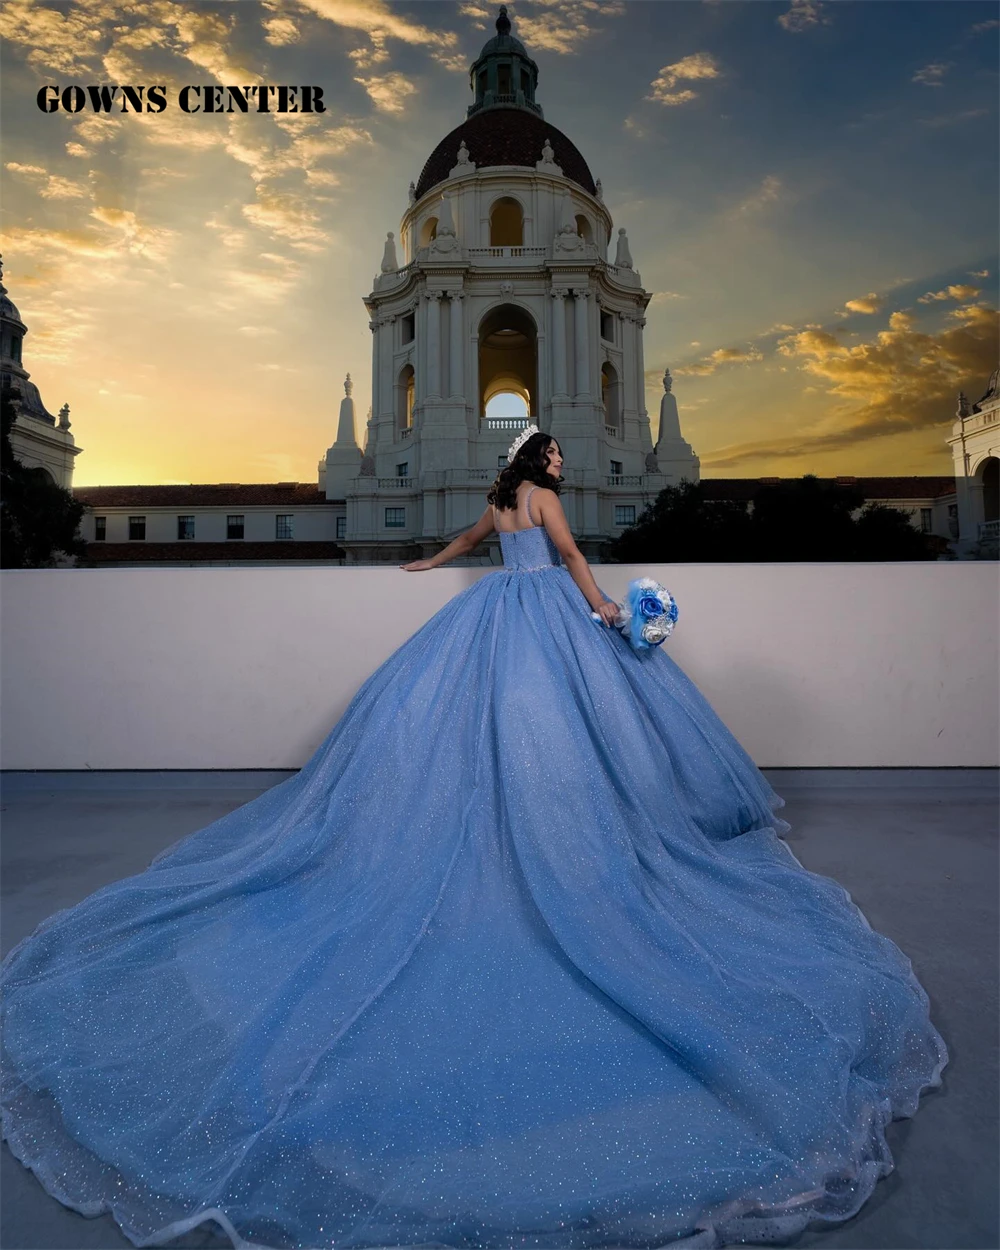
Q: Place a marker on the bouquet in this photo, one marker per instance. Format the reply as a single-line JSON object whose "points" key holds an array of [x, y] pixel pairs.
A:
{"points": [[648, 614]]}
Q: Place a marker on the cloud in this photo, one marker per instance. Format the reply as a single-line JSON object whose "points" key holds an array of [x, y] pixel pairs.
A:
{"points": [[134, 236], [952, 119], [281, 31], [981, 27], [903, 379], [286, 216], [381, 22], [49, 186], [932, 74], [979, 273], [802, 15], [715, 360], [767, 193], [957, 290], [128, 237], [565, 25], [699, 65], [480, 14], [390, 92], [870, 303], [62, 41]]}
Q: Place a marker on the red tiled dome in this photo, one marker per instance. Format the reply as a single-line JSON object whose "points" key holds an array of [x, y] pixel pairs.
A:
{"points": [[504, 136]]}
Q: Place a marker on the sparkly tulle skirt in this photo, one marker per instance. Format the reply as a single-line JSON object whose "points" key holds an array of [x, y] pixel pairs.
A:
{"points": [[518, 959]]}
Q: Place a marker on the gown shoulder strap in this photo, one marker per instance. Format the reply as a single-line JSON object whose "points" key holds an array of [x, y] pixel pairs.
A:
{"points": [[527, 505]]}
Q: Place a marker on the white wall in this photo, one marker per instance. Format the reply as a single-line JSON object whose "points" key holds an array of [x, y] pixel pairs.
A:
{"points": [[808, 664]]}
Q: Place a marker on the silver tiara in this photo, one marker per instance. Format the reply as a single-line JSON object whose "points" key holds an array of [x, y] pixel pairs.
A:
{"points": [[521, 439]]}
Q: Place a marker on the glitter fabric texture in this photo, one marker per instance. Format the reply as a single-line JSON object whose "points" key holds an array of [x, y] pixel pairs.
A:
{"points": [[518, 960]]}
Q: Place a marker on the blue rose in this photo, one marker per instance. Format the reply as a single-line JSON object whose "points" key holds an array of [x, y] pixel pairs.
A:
{"points": [[650, 605]]}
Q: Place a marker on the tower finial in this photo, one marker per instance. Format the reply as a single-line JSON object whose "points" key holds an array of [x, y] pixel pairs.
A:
{"points": [[503, 22], [3, 289], [348, 385]]}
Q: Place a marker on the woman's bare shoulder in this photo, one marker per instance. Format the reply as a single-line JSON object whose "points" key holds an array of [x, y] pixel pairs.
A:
{"points": [[546, 494]]}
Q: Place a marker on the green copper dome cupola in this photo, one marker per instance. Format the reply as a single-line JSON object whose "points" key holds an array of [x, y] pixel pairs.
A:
{"points": [[503, 74]]}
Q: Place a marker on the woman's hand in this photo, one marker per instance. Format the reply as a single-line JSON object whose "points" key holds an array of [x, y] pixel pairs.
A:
{"points": [[417, 566], [607, 611]]}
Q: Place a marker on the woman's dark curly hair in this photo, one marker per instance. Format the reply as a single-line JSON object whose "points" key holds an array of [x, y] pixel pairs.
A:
{"points": [[529, 465]]}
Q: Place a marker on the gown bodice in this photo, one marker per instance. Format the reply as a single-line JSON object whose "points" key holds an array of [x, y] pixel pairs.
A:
{"points": [[530, 549]]}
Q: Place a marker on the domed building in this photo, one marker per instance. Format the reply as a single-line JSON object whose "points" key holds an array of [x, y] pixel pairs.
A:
{"points": [[498, 288], [37, 439]]}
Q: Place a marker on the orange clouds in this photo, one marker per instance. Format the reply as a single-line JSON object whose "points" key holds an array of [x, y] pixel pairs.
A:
{"points": [[699, 65]]}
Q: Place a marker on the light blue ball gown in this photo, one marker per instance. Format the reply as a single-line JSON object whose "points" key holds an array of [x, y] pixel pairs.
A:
{"points": [[517, 959]]}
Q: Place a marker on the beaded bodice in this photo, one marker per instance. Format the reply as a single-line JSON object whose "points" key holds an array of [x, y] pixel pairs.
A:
{"points": [[530, 548]]}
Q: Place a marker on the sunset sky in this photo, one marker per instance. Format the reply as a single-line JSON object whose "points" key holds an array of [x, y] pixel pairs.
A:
{"points": [[810, 191]]}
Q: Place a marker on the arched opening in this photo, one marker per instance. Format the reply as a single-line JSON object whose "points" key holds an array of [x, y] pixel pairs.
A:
{"points": [[404, 398], [583, 228], [611, 396], [511, 403], [428, 231], [506, 223], [991, 489], [508, 367]]}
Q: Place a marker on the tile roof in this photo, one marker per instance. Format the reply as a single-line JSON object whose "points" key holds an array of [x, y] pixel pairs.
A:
{"points": [[504, 136], [204, 494], [929, 487]]}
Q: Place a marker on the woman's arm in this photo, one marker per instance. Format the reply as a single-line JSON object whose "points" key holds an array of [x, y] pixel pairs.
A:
{"points": [[459, 546], [550, 509]]}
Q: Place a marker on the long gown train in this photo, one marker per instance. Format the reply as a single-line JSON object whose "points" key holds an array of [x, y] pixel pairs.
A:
{"points": [[517, 959]]}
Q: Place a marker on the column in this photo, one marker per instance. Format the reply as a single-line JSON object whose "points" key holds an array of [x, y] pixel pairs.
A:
{"points": [[457, 344], [376, 365], [581, 325], [558, 343], [640, 398], [434, 344]]}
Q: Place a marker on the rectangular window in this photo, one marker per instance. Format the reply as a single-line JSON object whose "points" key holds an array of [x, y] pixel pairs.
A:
{"points": [[624, 514], [616, 467], [235, 526], [136, 528], [395, 518], [283, 526], [408, 327], [525, 83], [341, 527], [185, 527], [100, 528], [501, 462], [607, 326], [403, 470], [926, 520], [503, 80]]}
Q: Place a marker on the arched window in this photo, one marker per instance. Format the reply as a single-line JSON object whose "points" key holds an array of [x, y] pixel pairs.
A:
{"points": [[610, 396], [404, 398], [428, 231], [506, 223], [583, 228]]}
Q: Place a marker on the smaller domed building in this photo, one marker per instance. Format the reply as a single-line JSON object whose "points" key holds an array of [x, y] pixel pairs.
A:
{"points": [[37, 439]]}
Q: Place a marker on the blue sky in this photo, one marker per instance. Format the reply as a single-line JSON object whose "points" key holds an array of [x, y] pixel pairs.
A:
{"points": [[810, 191]]}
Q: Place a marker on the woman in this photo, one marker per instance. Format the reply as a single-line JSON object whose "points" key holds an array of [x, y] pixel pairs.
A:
{"points": [[517, 959]]}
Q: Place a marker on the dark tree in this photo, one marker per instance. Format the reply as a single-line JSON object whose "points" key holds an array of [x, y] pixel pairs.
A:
{"points": [[682, 526], [38, 519], [802, 520]]}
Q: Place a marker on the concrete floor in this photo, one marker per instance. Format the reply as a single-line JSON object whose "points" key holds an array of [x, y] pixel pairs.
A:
{"points": [[916, 848]]}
